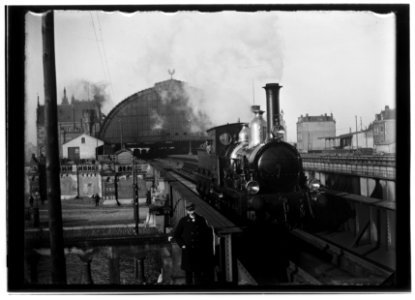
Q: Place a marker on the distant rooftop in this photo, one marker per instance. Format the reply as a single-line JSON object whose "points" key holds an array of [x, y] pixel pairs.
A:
{"points": [[386, 114], [321, 118]]}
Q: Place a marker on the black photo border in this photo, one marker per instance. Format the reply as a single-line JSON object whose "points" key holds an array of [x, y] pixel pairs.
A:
{"points": [[15, 118]]}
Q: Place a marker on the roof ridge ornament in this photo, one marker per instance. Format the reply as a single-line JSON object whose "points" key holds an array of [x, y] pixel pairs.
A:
{"points": [[171, 73]]}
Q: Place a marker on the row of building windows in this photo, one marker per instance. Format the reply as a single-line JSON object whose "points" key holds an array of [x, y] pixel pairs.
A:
{"points": [[70, 168], [379, 129]]}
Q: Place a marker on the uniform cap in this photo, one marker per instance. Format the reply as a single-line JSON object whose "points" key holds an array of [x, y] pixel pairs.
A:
{"points": [[190, 206]]}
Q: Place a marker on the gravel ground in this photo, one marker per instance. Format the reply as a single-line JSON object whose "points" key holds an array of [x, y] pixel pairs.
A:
{"points": [[83, 212]]}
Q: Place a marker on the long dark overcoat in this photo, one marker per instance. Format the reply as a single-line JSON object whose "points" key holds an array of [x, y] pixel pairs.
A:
{"points": [[197, 236]]}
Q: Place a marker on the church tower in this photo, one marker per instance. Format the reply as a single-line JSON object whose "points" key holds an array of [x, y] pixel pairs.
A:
{"points": [[65, 98]]}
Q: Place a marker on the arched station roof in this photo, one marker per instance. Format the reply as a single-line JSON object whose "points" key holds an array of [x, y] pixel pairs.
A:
{"points": [[163, 113]]}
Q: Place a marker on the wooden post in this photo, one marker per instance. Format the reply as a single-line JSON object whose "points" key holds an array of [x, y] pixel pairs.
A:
{"points": [[52, 152], [141, 268], [86, 277], [114, 266], [136, 268], [33, 260], [228, 258]]}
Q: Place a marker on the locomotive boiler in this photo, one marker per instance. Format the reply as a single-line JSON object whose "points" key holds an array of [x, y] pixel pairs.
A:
{"points": [[249, 172]]}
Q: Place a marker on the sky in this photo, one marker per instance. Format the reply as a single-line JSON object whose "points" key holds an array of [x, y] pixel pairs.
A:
{"points": [[339, 62]]}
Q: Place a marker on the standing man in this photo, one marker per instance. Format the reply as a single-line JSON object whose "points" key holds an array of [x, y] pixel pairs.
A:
{"points": [[195, 238], [31, 200], [95, 198]]}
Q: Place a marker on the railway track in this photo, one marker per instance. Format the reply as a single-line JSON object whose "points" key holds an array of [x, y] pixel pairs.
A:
{"points": [[322, 262], [275, 256]]}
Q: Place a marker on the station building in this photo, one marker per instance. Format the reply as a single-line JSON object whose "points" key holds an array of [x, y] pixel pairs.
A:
{"points": [[311, 131]]}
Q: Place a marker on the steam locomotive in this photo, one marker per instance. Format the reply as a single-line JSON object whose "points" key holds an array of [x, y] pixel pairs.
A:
{"points": [[249, 172]]}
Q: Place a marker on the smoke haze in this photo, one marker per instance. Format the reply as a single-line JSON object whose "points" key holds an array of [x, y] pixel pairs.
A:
{"points": [[83, 90], [179, 101]]}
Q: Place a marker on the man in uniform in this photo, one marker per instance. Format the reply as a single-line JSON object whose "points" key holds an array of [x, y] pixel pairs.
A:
{"points": [[195, 238]]}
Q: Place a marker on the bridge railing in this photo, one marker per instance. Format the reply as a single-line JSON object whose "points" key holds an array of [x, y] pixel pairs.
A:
{"points": [[365, 167]]}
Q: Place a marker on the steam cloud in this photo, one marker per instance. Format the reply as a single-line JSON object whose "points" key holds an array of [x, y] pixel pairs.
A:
{"points": [[225, 54], [176, 103]]}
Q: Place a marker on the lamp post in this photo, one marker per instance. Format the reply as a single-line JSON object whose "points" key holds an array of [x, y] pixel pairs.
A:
{"points": [[135, 195], [116, 185], [96, 137]]}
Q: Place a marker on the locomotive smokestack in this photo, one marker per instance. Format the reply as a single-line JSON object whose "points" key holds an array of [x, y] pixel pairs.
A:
{"points": [[273, 107]]}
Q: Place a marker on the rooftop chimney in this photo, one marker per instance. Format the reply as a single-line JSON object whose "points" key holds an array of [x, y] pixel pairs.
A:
{"points": [[273, 106]]}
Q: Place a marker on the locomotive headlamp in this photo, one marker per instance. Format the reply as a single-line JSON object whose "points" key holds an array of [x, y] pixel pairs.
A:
{"points": [[280, 133], [314, 185], [252, 187]]}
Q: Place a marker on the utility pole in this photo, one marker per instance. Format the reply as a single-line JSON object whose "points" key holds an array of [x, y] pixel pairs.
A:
{"points": [[357, 136], [78, 195], [52, 153], [119, 122]]}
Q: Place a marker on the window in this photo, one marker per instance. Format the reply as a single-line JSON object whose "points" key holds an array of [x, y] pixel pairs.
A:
{"points": [[83, 140]]}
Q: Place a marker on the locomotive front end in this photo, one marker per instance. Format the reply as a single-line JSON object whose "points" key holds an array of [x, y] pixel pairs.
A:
{"points": [[277, 167], [258, 175], [264, 169]]}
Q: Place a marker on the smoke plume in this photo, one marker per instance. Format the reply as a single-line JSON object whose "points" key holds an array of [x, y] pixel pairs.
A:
{"points": [[229, 55], [83, 90], [177, 102]]}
